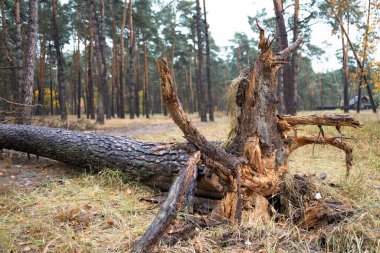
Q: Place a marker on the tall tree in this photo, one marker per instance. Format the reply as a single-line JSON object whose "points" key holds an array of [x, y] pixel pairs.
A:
{"points": [[121, 62], [60, 63], [102, 42], [20, 58], [210, 102], [288, 82], [91, 102], [365, 45], [41, 76], [200, 84], [132, 109], [25, 114], [101, 64]]}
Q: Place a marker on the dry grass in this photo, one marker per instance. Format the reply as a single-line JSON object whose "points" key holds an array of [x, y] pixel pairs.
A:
{"points": [[102, 213]]}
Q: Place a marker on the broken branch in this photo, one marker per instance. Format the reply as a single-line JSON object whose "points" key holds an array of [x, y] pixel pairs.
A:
{"points": [[169, 209], [300, 141]]}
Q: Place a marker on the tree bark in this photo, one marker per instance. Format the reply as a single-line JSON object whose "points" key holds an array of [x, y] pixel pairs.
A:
{"points": [[20, 57], [288, 82], [41, 77], [102, 43], [364, 57], [154, 164], [146, 83], [121, 63], [132, 109], [91, 102], [101, 65], [25, 113], [200, 85], [210, 102], [61, 65]]}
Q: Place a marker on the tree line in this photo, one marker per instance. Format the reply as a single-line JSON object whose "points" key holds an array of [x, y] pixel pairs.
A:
{"points": [[97, 58]]}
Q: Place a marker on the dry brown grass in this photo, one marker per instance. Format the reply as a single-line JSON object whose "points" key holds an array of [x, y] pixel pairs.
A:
{"points": [[102, 213]]}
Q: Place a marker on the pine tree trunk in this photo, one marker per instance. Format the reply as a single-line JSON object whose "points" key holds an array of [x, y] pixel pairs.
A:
{"points": [[25, 113], [200, 84], [91, 102], [210, 102], [287, 76], [79, 83], [365, 42], [101, 65], [132, 103], [137, 74], [60, 65], [20, 60], [41, 77], [345, 75], [102, 42], [145, 83], [121, 63]]}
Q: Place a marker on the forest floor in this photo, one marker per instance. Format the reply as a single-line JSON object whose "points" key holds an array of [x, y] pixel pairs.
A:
{"points": [[47, 206]]}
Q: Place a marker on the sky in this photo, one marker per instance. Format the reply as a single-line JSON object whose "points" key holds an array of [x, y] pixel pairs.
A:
{"points": [[227, 17]]}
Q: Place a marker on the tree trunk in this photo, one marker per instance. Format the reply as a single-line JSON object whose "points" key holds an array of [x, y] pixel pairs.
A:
{"points": [[102, 43], [41, 77], [132, 108], [296, 58], [365, 42], [137, 74], [200, 85], [288, 82], [155, 164], [145, 83], [210, 102], [121, 63], [101, 65], [91, 102], [79, 88], [345, 74], [60, 65], [20, 60], [25, 113], [114, 67]]}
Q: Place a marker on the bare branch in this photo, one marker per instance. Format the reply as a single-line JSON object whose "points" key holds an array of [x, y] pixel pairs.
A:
{"points": [[322, 120], [170, 207], [284, 54], [191, 133], [337, 142]]}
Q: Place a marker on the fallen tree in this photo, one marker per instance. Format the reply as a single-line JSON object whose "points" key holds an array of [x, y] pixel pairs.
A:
{"points": [[244, 172]]}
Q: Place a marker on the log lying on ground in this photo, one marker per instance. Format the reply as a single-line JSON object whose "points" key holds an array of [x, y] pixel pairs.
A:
{"points": [[144, 161]]}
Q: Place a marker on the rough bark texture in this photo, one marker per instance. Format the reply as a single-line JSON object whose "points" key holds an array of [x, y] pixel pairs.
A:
{"points": [[60, 64], [25, 113], [287, 77], [121, 64], [210, 102], [91, 102], [154, 164], [132, 109], [200, 85], [20, 60]]}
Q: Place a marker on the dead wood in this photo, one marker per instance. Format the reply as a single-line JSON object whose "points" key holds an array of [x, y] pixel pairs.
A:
{"points": [[299, 141], [338, 120], [245, 172], [170, 207]]}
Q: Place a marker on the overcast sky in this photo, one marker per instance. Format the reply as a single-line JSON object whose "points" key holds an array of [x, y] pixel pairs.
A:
{"points": [[227, 17]]}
